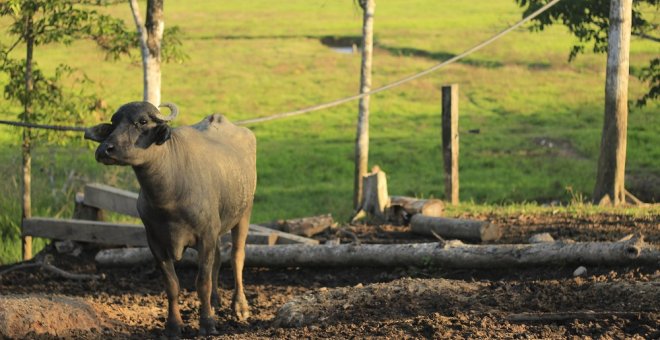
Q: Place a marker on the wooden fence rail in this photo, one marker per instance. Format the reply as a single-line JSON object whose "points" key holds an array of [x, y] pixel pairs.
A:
{"points": [[100, 196]]}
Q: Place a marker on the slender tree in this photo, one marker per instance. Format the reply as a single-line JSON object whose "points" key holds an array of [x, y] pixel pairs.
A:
{"points": [[157, 44], [612, 161], [362, 135], [45, 99], [608, 25]]}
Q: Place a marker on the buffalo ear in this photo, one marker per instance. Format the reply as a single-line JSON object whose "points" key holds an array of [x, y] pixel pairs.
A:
{"points": [[162, 132], [99, 132]]}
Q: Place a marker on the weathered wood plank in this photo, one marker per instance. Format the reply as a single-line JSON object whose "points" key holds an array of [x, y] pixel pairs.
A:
{"points": [[125, 202], [284, 238], [110, 198], [112, 233], [86, 231]]}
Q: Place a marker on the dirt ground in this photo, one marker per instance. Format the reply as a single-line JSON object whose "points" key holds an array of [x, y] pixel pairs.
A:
{"points": [[398, 303]]}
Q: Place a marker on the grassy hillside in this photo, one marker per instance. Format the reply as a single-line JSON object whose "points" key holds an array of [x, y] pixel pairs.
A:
{"points": [[538, 117]]}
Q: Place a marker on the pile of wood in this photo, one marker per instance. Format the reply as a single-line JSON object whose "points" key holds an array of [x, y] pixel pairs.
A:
{"points": [[288, 243], [425, 216]]}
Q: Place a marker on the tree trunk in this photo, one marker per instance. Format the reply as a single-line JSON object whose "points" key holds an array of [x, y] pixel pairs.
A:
{"points": [[27, 140], [150, 36], [453, 254], [612, 161], [362, 139], [454, 228]]}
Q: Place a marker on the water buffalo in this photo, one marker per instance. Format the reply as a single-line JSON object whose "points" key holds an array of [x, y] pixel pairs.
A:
{"points": [[196, 183]]}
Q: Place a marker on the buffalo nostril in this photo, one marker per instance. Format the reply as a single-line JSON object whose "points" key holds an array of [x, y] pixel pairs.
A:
{"points": [[109, 149]]}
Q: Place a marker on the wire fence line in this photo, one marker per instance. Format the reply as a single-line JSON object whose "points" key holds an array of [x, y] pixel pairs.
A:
{"points": [[340, 101], [43, 126]]}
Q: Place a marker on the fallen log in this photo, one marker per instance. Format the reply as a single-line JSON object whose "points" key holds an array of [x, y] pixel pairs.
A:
{"points": [[454, 228], [453, 254], [255, 237], [414, 206], [306, 226]]}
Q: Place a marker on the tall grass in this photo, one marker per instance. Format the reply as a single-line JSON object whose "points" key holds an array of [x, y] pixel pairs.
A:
{"points": [[530, 122]]}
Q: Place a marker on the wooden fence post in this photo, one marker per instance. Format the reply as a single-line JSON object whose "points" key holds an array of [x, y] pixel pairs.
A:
{"points": [[362, 138], [450, 141]]}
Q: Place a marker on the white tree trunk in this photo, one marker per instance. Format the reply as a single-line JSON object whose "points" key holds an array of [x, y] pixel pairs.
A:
{"points": [[150, 36], [362, 138], [612, 161]]}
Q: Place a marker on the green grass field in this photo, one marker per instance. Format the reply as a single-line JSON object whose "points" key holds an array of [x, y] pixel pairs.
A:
{"points": [[255, 58]]}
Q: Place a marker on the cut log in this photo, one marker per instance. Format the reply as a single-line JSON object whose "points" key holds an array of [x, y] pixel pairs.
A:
{"points": [[375, 198], [413, 206], [306, 226], [123, 257], [455, 228], [453, 254], [255, 237]]}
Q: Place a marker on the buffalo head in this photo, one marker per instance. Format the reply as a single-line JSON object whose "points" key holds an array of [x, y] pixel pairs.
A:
{"points": [[135, 127]]}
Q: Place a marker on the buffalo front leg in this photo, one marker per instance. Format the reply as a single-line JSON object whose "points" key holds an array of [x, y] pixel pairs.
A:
{"points": [[204, 283], [174, 322], [239, 235]]}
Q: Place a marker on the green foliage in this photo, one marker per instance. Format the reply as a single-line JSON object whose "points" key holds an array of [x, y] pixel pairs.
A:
{"points": [[650, 74], [63, 97], [588, 20], [255, 58]]}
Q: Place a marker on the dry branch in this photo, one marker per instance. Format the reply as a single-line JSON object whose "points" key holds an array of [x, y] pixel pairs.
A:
{"points": [[452, 254]]}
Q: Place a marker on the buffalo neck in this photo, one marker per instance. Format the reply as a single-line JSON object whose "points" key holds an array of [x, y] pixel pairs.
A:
{"points": [[157, 175]]}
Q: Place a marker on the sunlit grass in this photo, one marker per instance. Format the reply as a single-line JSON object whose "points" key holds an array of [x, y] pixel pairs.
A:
{"points": [[256, 58]]}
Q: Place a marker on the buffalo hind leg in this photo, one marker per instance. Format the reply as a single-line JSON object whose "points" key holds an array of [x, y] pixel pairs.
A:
{"points": [[239, 235], [174, 322], [204, 283], [217, 260]]}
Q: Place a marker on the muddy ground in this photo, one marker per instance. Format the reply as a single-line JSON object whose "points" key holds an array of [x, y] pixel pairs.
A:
{"points": [[398, 303]]}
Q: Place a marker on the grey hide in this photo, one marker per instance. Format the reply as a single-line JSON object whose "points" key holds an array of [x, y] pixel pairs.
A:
{"points": [[196, 183]]}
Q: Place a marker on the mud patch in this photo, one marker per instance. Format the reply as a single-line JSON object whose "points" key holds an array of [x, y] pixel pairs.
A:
{"points": [[23, 316]]}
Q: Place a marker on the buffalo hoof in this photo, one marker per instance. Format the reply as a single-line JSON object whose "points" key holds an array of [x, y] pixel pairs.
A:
{"points": [[241, 308], [207, 327], [172, 330]]}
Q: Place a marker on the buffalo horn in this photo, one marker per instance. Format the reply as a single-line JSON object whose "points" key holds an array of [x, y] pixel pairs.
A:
{"points": [[173, 112]]}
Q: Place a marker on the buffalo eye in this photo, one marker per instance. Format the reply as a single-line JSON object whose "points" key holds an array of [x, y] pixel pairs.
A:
{"points": [[143, 121]]}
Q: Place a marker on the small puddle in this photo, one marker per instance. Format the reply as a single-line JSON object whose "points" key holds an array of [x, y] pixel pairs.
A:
{"points": [[344, 45]]}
